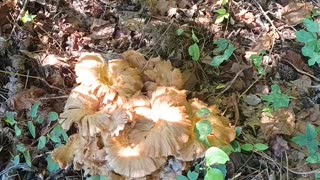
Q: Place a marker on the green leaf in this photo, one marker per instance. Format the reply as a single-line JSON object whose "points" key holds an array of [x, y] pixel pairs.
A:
{"points": [[305, 37], [56, 133], [179, 31], [52, 116], [308, 139], [51, 165], [203, 113], [194, 51], [27, 158], [16, 160], [228, 52], [42, 142], [215, 155], [32, 129], [192, 175], [27, 17], [214, 174], [314, 59], [308, 51], [194, 37], [20, 148], [180, 177], [219, 19], [40, 119], [311, 26], [202, 129], [222, 45], [34, 110], [97, 177], [236, 146], [10, 119], [277, 99], [17, 131], [260, 147], [238, 131], [221, 11], [217, 60], [247, 147], [313, 158]]}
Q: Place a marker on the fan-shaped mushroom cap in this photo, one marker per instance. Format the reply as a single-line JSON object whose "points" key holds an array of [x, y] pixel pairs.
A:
{"points": [[163, 74], [85, 111], [222, 133], [135, 59], [64, 154], [162, 127], [90, 68], [126, 159]]}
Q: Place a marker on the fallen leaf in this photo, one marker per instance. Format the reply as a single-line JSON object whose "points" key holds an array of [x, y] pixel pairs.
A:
{"points": [[25, 99], [303, 83], [252, 99], [294, 12], [278, 146], [315, 114], [247, 18], [295, 59], [263, 43], [282, 122]]}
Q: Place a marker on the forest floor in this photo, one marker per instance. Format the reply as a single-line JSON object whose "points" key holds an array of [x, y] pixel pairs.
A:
{"points": [[267, 84]]}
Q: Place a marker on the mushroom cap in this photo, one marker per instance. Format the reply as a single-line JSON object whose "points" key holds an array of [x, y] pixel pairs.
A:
{"points": [[163, 74], [63, 155], [135, 59], [126, 159], [162, 127]]}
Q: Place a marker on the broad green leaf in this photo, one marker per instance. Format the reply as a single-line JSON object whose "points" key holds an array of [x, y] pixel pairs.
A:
{"points": [[214, 174], [260, 147], [222, 45], [51, 165], [238, 131], [307, 51], [222, 168], [247, 147], [179, 31], [27, 158], [308, 139], [194, 37], [27, 17], [32, 129], [40, 119], [219, 19], [17, 131], [228, 52], [277, 99], [236, 146], [34, 110], [192, 175], [313, 158], [42, 142], [202, 129], [203, 113], [194, 51], [314, 59], [215, 155], [304, 36], [180, 177], [217, 60], [311, 26], [52, 116], [221, 11], [16, 160], [10, 119]]}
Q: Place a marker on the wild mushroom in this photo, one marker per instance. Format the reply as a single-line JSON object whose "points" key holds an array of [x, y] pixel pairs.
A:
{"points": [[161, 128]]}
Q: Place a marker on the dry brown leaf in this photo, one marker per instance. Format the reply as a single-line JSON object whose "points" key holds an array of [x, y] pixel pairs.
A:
{"points": [[263, 43], [295, 12], [296, 59], [282, 122], [25, 99], [247, 18], [278, 146]]}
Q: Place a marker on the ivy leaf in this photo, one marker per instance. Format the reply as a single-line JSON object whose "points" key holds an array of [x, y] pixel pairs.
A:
{"points": [[52, 166], [41, 142], [34, 110], [192, 175], [313, 158], [215, 155], [260, 147], [52, 116], [202, 129], [222, 45], [214, 173], [308, 139], [194, 51], [311, 26], [217, 60], [32, 129], [305, 37], [277, 99], [180, 177]]}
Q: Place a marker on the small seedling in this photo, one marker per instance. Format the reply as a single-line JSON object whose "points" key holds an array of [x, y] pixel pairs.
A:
{"points": [[311, 48], [257, 61], [222, 14], [28, 17], [224, 48], [254, 147], [276, 98], [194, 50]]}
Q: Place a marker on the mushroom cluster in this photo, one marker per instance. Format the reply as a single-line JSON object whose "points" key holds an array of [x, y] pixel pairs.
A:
{"points": [[132, 114]]}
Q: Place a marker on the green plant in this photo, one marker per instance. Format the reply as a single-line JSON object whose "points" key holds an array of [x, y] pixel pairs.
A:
{"points": [[223, 51], [222, 14], [55, 136], [194, 50], [27, 17], [311, 48], [257, 61], [254, 147], [276, 98]]}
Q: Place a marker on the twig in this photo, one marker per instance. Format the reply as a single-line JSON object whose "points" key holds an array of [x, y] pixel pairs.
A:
{"points": [[302, 72], [22, 12]]}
